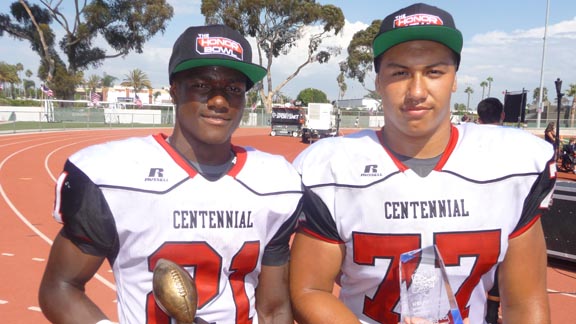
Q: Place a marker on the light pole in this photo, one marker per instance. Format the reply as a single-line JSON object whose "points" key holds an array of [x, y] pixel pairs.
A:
{"points": [[559, 95]]}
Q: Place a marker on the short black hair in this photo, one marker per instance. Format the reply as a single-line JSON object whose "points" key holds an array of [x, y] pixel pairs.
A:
{"points": [[490, 110]]}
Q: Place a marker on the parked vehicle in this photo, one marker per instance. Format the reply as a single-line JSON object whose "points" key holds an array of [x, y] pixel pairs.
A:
{"points": [[320, 122], [287, 121]]}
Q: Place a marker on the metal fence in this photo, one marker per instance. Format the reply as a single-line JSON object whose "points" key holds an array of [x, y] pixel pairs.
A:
{"points": [[15, 119]]}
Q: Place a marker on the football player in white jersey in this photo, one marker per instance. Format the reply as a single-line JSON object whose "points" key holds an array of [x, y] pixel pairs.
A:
{"points": [[419, 182], [224, 213]]}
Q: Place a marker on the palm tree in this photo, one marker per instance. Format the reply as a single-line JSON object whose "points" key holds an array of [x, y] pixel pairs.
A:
{"points": [[490, 80], [108, 80], [93, 82], [28, 85], [19, 68], [571, 92], [468, 91], [137, 79], [483, 84], [156, 95]]}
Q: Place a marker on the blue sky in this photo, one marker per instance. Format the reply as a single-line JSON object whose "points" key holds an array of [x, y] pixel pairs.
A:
{"points": [[502, 39]]}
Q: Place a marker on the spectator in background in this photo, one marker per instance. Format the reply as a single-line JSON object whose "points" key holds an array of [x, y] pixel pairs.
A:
{"points": [[490, 111], [550, 133], [569, 155]]}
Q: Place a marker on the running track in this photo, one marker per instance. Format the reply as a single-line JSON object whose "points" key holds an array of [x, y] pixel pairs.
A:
{"points": [[29, 165]]}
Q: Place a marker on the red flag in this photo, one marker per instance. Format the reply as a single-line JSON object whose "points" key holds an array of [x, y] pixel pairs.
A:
{"points": [[47, 90]]}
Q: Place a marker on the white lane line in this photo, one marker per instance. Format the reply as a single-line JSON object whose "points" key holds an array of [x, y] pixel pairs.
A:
{"points": [[27, 222], [561, 293], [2, 302], [34, 308], [38, 259], [8, 254]]}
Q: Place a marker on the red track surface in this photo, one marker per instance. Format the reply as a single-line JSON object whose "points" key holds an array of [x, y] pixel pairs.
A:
{"points": [[29, 165]]}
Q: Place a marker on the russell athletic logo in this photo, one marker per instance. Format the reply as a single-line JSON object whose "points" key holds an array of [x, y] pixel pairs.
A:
{"points": [[417, 19], [371, 170], [156, 175], [219, 45]]}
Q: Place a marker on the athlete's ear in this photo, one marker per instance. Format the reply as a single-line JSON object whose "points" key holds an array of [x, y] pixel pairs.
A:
{"points": [[455, 84], [173, 91]]}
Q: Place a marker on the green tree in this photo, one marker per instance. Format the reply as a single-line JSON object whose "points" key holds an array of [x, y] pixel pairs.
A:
{"points": [[460, 108], [489, 80], [252, 96], [312, 95], [125, 26], [536, 94], [277, 26], [9, 74], [93, 82], [360, 60], [483, 84], [156, 95], [29, 87], [571, 92], [468, 91], [108, 80], [19, 68], [341, 79], [137, 79]]}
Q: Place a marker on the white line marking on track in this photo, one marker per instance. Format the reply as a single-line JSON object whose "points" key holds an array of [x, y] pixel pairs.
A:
{"points": [[38, 259], [34, 308], [561, 293], [8, 254], [27, 222], [2, 302]]}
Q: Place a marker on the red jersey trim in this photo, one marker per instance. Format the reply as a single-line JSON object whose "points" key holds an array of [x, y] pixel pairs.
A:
{"points": [[161, 139], [240, 152], [452, 141], [318, 236], [241, 157], [524, 228]]}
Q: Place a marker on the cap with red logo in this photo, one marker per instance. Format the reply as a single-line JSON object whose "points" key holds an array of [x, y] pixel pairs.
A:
{"points": [[214, 45], [418, 22]]}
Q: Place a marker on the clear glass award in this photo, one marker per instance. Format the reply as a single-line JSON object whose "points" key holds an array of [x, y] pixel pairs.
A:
{"points": [[425, 293]]}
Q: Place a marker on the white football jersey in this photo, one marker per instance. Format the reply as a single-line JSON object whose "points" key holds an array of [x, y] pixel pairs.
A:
{"points": [[490, 185], [137, 200]]}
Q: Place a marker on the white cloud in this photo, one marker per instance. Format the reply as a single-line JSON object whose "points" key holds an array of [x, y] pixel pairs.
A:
{"points": [[514, 60]]}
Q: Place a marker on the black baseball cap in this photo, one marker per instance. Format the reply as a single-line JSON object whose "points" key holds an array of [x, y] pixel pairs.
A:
{"points": [[214, 45], [417, 22]]}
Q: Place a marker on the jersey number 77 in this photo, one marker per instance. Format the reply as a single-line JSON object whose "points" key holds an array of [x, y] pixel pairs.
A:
{"points": [[484, 246]]}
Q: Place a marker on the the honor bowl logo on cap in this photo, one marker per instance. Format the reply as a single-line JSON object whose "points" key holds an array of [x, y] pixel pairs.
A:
{"points": [[417, 19], [206, 45]]}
